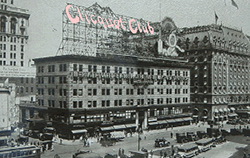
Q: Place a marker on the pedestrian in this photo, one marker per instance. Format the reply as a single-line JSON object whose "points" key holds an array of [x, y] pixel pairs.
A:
{"points": [[171, 135], [145, 137], [165, 154], [52, 147], [56, 156], [119, 152], [161, 154], [60, 141], [151, 153]]}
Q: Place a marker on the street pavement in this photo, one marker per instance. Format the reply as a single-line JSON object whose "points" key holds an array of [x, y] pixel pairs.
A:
{"points": [[68, 148]]}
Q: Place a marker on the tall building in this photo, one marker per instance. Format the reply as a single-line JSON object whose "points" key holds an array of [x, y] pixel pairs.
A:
{"points": [[14, 63], [9, 115], [83, 92], [220, 73]]}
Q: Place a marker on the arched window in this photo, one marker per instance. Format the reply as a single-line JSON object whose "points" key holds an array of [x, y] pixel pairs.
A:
{"points": [[3, 24], [13, 22]]}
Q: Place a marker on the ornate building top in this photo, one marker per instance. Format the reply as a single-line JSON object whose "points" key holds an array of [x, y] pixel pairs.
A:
{"points": [[215, 37]]}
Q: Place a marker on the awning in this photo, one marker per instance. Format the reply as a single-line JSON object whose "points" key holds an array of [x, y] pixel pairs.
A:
{"points": [[220, 110], [221, 116], [216, 117], [3, 137], [179, 120], [79, 131], [153, 123], [195, 115], [130, 125], [110, 128], [196, 109], [232, 115], [49, 128], [187, 119], [216, 110], [204, 117], [170, 121], [232, 108], [117, 127], [228, 109], [162, 122], [225, 109], [205, 110]]}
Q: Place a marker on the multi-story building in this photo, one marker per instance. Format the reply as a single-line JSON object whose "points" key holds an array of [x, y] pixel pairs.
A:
{"points": [[9, 116], [220, 73], [84, 92], [14, 63]]}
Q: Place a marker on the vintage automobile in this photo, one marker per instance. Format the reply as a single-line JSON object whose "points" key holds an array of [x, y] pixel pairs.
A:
{"points": [[85, 153], [191, 136], [220, 139], [213, 132], [139, 154], [201, 134], [181, 138], [205, 144], [187, 151], [161, 142]]}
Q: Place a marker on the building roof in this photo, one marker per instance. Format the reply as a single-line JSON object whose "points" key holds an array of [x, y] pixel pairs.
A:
{"points": [[117, 58], [215, 37]]}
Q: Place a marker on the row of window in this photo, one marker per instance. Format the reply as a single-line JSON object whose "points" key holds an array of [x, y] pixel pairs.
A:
{"points": [[12, 39], [107, 103], [107, 69], [12, 47], [12, 63], [21, 90], [27, 80], [140, 91]]}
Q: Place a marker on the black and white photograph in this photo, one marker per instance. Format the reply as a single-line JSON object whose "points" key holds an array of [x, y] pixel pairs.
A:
{"points": [[124, 79]]}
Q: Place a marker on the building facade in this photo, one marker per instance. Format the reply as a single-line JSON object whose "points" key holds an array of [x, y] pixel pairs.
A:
{"points": [[220, 73], [14, 62], [9, 115], [87, 92]]}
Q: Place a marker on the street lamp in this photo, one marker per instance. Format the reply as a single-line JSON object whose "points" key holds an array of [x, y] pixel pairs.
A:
{"points": [[139, 138]]}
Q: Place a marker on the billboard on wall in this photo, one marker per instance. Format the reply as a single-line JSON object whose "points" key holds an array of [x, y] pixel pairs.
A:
{"points": [[11, 71]]}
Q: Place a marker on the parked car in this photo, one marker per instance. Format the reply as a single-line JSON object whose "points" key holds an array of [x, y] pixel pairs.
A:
{"points": [[181, 138], [191, 136], [161, 142], [187, 151], [205, 144], [201, 134]]}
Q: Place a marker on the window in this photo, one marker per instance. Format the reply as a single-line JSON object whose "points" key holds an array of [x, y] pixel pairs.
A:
{"points": [[75, 92], [74, 104], [80, 104], [80, 67], [3, 24], [75, 67]]}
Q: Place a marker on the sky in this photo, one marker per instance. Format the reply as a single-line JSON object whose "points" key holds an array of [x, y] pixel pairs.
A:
{"points": [[45, 23]]}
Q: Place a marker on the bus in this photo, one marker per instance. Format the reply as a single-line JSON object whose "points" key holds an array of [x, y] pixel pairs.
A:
{"points": [[21, 151]]}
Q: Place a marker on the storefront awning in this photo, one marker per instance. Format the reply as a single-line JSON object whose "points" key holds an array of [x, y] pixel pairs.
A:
{"points": [[225, 109], [204, 117], [179, 120], [220, 110], [170, 121], [117, 127], [228, 109], [195, 115], [187, 119], [221, 116], [205, 110], [232, 115], [162, 122], [79, 131], [153, 123], [216, 110], [110, 128], [130, 125], [216, 117], [232, 108]]}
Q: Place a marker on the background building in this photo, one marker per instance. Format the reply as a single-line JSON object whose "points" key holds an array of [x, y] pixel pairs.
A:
{"points": [[14, 63], [220, 73]]}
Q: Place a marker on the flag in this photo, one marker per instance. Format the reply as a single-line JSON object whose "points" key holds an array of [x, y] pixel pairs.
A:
{"points": [[234, 4], [216, 17]]}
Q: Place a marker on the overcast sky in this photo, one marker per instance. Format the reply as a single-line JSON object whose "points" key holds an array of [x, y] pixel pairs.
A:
{"points": [[46, 16]]}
